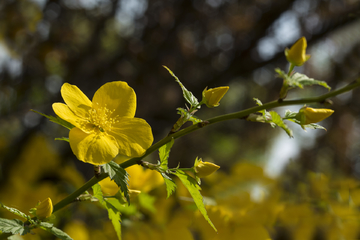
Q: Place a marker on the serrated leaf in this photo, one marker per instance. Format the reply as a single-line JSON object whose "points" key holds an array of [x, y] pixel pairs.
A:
{"points": [[304, 80], [188, 117], [113, 213], [56, 119], [189, 97], [194, 190], [310, 126], [14, 226], [63, 139], [169, 183], [164, 152], [120, 176], [55, 231], [15, 211], [279, 122]]}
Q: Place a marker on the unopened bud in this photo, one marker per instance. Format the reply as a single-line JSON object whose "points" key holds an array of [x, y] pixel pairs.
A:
{"points": [[297, 53], [212, 96], [44, 209], [308, 115], [203, 169]]}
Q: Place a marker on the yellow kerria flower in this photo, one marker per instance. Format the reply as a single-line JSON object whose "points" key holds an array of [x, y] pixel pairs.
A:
{"points": [[105, 126]]}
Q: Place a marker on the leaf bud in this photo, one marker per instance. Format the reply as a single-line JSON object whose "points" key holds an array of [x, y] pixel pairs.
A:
{"points": [[212, 96]]}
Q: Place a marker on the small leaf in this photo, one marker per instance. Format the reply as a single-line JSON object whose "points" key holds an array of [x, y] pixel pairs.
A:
{"points": [[13, 226], [170, 184], [164, 152], [306, 81], [55, 231], [194, 190], [259, 103], [279, 122], [56, 119], [189, 97], [119, 175], [113, 213], [15, 211]]}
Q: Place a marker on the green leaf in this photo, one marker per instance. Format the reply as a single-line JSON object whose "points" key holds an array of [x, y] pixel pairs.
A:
{"points": [[194, 190], [164, 152], [189, 97], [113, 213], [304, 80], [169, 183], [14, 226], [119, 175], [55, 231], [56, 119], [63, 139], [279, 122], [15, 211], [259, 103]]}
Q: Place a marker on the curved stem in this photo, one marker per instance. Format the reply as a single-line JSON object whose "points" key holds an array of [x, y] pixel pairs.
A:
{"points": [[185, 131]]}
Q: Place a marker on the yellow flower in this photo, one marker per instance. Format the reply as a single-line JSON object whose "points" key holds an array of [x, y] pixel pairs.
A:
{"points": [[297, 53], [44, 209], [203, 169], [308, 115], [212, 96], [106, 126]]}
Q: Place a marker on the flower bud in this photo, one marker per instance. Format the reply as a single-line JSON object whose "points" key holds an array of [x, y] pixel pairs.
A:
{"points": [[297, 53], [44, 209], [212, 96], [203, 169], [308, 115]]}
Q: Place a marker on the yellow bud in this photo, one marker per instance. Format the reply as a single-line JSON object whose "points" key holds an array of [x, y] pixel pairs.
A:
{"points": [[203, 169], [44, 209], [297, 53], [109, 187], [308, 115], [212, 96]]}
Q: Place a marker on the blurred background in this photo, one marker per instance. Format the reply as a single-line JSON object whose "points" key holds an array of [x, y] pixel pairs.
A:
{"points": [[209, 43]]}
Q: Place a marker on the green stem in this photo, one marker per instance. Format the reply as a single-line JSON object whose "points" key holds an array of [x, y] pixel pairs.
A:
{"points": [[185, 131], [291, 67]]}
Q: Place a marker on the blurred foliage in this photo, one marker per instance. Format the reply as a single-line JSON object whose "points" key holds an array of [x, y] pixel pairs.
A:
{"points": [[44, 43]]}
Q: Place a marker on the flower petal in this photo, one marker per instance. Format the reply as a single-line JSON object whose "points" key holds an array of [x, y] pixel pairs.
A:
{"points": [[77, 101], [118, 97], [95, 148], [64, 112], [133, 135]]}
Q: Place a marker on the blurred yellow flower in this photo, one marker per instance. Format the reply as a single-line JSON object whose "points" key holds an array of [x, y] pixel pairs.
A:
{"points": [[297, 53], [109, 187], [203, 169], [106, 126], [144, 180], [44, 209], [212, 96], [308, 115]]}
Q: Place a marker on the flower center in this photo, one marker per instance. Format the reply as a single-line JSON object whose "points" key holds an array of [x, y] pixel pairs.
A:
{"points": [[100, 118]]}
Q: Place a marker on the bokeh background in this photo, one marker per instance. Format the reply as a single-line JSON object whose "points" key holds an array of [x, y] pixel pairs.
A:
{"points": [[206, 44]]}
